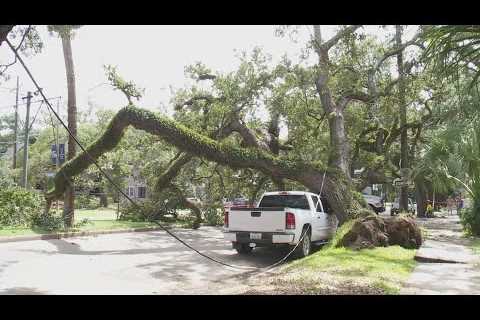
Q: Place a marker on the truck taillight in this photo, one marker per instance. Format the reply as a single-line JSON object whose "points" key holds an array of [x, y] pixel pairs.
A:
{"points": [[225, 219], [289, 221]]}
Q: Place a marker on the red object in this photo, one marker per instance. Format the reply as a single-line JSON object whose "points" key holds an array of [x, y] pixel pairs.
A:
{"points": [[289, 221]]}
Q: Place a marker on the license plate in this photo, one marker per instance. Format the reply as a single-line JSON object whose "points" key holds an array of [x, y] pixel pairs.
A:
{"points": [[256, 236]]}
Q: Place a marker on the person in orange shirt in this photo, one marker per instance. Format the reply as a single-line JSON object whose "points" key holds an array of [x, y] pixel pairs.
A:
{"points": [[429, 210]]}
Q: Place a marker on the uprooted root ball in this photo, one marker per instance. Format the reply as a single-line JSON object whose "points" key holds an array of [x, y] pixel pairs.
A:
{"points": [[374, 231]]}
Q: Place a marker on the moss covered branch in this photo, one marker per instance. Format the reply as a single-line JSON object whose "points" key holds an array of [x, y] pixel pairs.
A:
{"points": [[200, 145]]}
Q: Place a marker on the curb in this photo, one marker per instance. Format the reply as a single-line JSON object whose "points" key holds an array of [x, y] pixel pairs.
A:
{"points": [[62, 235], [423, 259]]}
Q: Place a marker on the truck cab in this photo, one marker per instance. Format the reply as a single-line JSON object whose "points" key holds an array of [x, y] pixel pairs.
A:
{"points": [[281, 218]]}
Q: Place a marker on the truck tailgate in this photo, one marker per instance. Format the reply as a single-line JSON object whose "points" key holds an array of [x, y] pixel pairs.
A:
{"points": [[257, 219]]}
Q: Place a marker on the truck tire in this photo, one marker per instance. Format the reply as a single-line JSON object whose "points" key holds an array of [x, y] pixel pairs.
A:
{"points": [[374, 209], [243, 248], [305, 246]]}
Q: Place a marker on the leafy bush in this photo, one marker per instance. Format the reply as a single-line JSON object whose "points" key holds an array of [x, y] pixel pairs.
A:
{"points": [[213, 216], [359, 197], [19, 207], [470, 219], [48, 221], [151, 211], [86, 202]]}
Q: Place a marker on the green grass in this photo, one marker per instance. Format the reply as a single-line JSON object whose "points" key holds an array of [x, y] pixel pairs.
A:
{"points": [[382, 268], [98, 219], [476, 246]]}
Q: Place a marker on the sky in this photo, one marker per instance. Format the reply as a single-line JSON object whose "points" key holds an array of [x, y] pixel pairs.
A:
{"points": [[154, 57]]}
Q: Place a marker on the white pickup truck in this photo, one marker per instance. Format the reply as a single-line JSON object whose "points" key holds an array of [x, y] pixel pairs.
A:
{"points": [[280, 219]]}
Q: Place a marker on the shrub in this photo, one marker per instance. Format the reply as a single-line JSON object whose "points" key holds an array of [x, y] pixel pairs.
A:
{"points": [[151, 211], [19, 207], [48, 221], [470, 219], [213, 216], [86, 202]]}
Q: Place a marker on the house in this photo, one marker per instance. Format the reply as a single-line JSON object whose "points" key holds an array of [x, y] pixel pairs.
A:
{"points": [[136, 186]]}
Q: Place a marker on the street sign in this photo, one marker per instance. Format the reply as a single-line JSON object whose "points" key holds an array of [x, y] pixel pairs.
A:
{"points": [[61, 151], [402, 183]]}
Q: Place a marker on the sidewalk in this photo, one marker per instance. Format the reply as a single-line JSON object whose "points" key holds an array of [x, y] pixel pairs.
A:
{"points": [[61, 235], [446, 263]]}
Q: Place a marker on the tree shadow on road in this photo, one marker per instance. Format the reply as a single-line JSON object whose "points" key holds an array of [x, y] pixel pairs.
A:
{"points": [[22, 291]]}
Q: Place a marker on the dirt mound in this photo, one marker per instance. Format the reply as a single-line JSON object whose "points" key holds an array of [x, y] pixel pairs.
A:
{"points": [[374, 231]]}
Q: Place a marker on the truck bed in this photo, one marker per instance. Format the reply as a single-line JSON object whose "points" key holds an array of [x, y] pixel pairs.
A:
{"points": [[257, 219]]}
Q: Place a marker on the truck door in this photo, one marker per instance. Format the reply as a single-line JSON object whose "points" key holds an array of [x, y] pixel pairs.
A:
{"points": [[332, 220], [320, 221]]}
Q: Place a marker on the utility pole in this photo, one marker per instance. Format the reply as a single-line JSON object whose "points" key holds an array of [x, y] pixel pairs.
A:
{"points": [[57, 146], [25, 146], [15, 130]]}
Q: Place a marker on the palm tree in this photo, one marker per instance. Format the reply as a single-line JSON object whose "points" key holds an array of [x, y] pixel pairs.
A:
{"points": [[429, 168], [65, 32], [469, 150], [453, 47]]}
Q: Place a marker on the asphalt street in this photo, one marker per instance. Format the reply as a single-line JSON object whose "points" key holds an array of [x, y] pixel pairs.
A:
{"points": [[128, 263]]}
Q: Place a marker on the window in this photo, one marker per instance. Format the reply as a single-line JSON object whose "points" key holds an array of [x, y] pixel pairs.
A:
{"points": [[142, 192], [316, 204], [285, 201], [131, 191]]}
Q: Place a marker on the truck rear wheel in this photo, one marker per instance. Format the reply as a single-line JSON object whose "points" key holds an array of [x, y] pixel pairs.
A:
{"points": [[305, 246], [243, 248]]}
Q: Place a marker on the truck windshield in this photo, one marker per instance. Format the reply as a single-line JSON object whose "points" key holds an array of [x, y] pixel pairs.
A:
{"points": [[290, 201]]}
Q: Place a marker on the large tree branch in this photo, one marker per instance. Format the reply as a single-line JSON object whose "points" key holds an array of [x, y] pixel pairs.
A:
{"points": [[191, 101], [338, 192], [398, 49], [188, 204], [339, 35], [172, 171], [365, 97], [178, 136], [6, 66]]}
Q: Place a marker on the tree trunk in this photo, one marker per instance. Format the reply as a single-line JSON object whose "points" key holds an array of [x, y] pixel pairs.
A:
{"points": [[403, 203], [340, 154], [103, 200], [421, 196], [68, 211]]}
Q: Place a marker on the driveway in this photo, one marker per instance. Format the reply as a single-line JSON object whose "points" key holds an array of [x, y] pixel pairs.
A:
{"points": [[131, 263]]}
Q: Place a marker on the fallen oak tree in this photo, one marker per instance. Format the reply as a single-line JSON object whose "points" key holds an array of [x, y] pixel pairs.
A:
{"points": [[337, 188]]}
